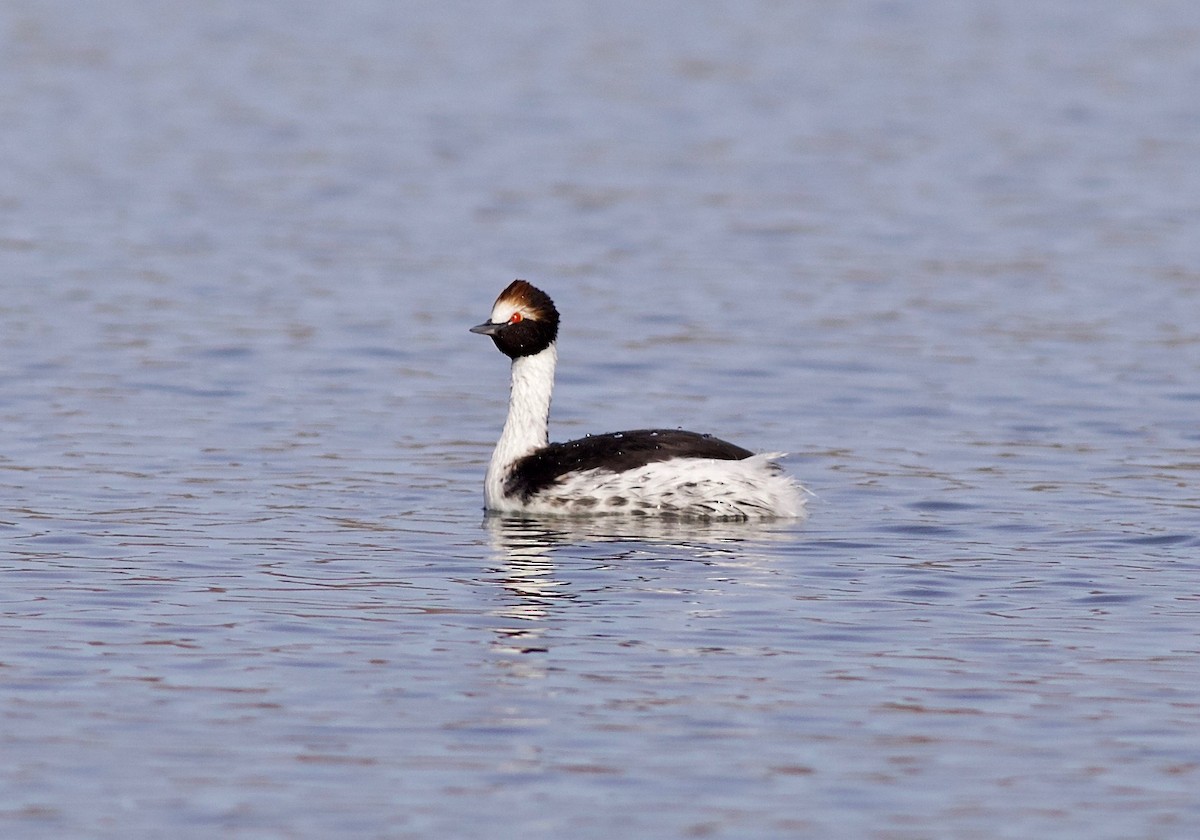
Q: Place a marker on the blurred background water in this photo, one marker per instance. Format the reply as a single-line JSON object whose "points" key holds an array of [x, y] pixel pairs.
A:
{"points": [[946, 254]]}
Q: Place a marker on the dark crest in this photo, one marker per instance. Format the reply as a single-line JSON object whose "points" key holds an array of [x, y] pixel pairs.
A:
{"points": [[536, 328], [530, 298]]}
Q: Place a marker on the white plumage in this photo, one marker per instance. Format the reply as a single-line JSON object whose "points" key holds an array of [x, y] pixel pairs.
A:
{"points": [[751, 488]]}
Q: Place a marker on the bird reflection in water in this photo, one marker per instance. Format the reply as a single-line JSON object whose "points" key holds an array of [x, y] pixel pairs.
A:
{"points": [[525, 565]]}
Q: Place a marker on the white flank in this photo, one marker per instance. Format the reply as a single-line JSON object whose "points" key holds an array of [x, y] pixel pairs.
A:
{"points": [[753, 488]]}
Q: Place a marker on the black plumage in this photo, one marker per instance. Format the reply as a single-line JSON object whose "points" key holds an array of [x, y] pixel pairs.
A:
{"points": [[526, 335], [615, 452]]}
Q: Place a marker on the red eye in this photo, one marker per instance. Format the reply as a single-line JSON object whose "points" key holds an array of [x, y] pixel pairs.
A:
{"points": [[515, 319]]}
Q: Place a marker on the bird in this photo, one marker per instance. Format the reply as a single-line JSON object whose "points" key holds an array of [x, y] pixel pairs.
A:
{"points": [[642, 472]]}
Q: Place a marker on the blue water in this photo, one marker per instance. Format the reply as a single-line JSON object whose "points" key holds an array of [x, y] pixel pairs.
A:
{"points": [[945, 254]]}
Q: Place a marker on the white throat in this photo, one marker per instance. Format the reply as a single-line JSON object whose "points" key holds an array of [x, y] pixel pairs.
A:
{"points": [[527, 426]]}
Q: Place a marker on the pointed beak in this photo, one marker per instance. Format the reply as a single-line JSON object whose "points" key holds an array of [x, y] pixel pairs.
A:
{"points": [[487, 328]]}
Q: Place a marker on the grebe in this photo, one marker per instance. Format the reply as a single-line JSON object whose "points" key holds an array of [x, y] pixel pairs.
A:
{"points": [[647, 471]]}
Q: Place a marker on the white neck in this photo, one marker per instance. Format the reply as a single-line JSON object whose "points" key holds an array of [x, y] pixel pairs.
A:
{"points": [[527, 426]]}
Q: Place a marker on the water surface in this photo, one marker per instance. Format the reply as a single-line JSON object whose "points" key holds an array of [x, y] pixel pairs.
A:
{"points": [[945, 256]]}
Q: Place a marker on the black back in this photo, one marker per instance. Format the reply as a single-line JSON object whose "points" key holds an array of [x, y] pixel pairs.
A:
{"points": [[614, 452]]}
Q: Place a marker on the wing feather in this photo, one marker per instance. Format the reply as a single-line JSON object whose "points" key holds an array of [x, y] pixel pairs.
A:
{"points": [[614, 452]]}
